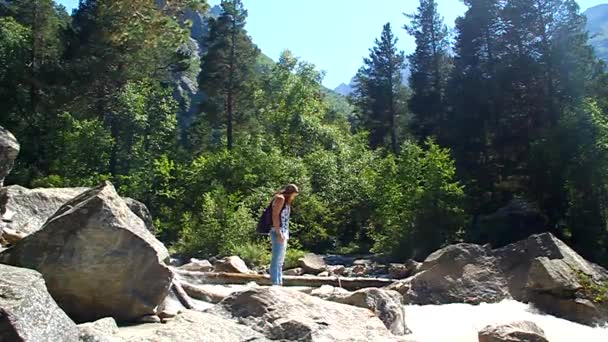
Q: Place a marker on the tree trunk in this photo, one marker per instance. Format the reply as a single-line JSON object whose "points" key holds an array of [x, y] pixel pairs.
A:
{"points": [[215, 278]]}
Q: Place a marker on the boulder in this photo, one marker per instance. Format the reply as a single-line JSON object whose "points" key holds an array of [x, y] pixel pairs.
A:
{"points": [[385, 304], [298, 271], [27, 210], [540, 270], [522, 331], [97, 258], [28, 313], [338, 270], [191, 326], [312, 264], [283, 314], [403, 271], [196, 265], [9, 149], [232, 264], [323, 274], [455, 274], [101, 330], [142, 212]]}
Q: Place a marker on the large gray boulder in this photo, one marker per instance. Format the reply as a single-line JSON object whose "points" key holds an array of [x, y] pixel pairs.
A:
{"points": [[98, 259], [26, 210], [312, 264], [27, 312], [191, 326], [385, 304], [231, 264], [541, 270], [284, 314], [9, 149], [522, 331]]}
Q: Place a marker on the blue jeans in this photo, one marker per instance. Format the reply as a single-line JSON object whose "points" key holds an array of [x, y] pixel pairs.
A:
{"points": [[278, 257]]}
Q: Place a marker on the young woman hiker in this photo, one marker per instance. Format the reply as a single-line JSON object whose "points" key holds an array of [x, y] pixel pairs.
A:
{"points": [[279, 233]]}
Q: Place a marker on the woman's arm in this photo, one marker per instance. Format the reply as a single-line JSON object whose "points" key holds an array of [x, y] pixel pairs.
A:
{"points": [[277, 206]]}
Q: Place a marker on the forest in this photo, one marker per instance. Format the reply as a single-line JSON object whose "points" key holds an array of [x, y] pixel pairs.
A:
{"points": [[506, 112]]}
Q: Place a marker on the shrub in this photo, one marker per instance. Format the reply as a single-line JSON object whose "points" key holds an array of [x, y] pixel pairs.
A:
{"points": [[254, 254]]}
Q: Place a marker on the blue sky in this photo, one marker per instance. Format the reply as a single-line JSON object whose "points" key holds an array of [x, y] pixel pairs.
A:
{"points": [[333, 34]]}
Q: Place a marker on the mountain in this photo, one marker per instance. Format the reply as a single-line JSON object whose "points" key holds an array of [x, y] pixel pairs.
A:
{"points": [[597, 25], [347, 89]]}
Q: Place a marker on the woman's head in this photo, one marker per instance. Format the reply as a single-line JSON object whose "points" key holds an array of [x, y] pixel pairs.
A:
{"points": [[290, 192]]}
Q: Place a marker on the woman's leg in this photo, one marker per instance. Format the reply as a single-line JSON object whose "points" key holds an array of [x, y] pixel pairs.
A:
{"points": [[274, 262], [283, 251]]}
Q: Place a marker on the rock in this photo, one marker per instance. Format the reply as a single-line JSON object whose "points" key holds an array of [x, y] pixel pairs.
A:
{"points": [[323, 274], [232, 264], [97, 258], [552, 276], [196, 265], [457, 273], [359, 270], [385, 304], [191, 326], [27, 210], [148, 319], [515, 221], [101, 330], [329, 292], [27, 311], [312, 264], [142, 212], [11, 236], [283, 314], [298, 271], [338, 270], [9, 149], [402, 271], [522, 331], [540, 270]]}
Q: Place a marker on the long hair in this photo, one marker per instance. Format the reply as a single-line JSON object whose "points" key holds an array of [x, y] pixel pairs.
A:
{"points": [[288, 190]]}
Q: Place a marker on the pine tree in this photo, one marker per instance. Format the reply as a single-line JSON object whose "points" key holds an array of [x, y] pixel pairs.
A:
{"points": [[378, 89], [430, 65], [228, 67]]}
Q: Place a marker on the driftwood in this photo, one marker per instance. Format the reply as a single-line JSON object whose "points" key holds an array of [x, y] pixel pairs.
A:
{"points": [[219, 278], [182, 295]]}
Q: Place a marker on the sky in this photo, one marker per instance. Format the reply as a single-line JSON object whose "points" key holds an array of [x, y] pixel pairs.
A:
{"points": [[335, 35]]}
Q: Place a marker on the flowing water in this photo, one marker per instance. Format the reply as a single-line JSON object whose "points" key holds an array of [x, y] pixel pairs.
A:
{"points": [[460, 322]]}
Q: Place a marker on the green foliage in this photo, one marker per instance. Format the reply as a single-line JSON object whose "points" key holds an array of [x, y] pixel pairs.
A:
{"points": [[418, 202], [292, 256], [222, 224], [254, 254], [592, 289]]}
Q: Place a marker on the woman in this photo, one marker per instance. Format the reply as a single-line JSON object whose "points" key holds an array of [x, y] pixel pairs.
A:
{"points": [[279, 233]]}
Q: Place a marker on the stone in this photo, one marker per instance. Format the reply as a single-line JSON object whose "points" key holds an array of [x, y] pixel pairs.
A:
{"points": [[522, 331], [284, 314], [338, 270], [9, 149], [298, 271], [27, 210], [541, 270], [196, 265], [232, 264], [191, 326], [101, 330], [359, 270], [323, 274], [385, 304], [398, 271], [28, 313], [312, 264], [142, 212], [97, 258]]}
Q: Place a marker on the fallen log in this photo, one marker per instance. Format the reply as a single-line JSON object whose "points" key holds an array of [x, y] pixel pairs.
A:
{"points": [[220, 278]]}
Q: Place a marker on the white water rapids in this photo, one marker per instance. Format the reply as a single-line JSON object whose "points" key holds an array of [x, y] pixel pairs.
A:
{"points": [[461, 322]]}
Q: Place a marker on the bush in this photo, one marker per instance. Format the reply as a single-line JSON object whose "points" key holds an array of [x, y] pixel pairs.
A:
{"points": [[254, 254], [292, 256]]}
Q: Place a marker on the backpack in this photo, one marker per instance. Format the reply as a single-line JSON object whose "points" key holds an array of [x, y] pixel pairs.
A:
{"points": [[265, 221]]}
